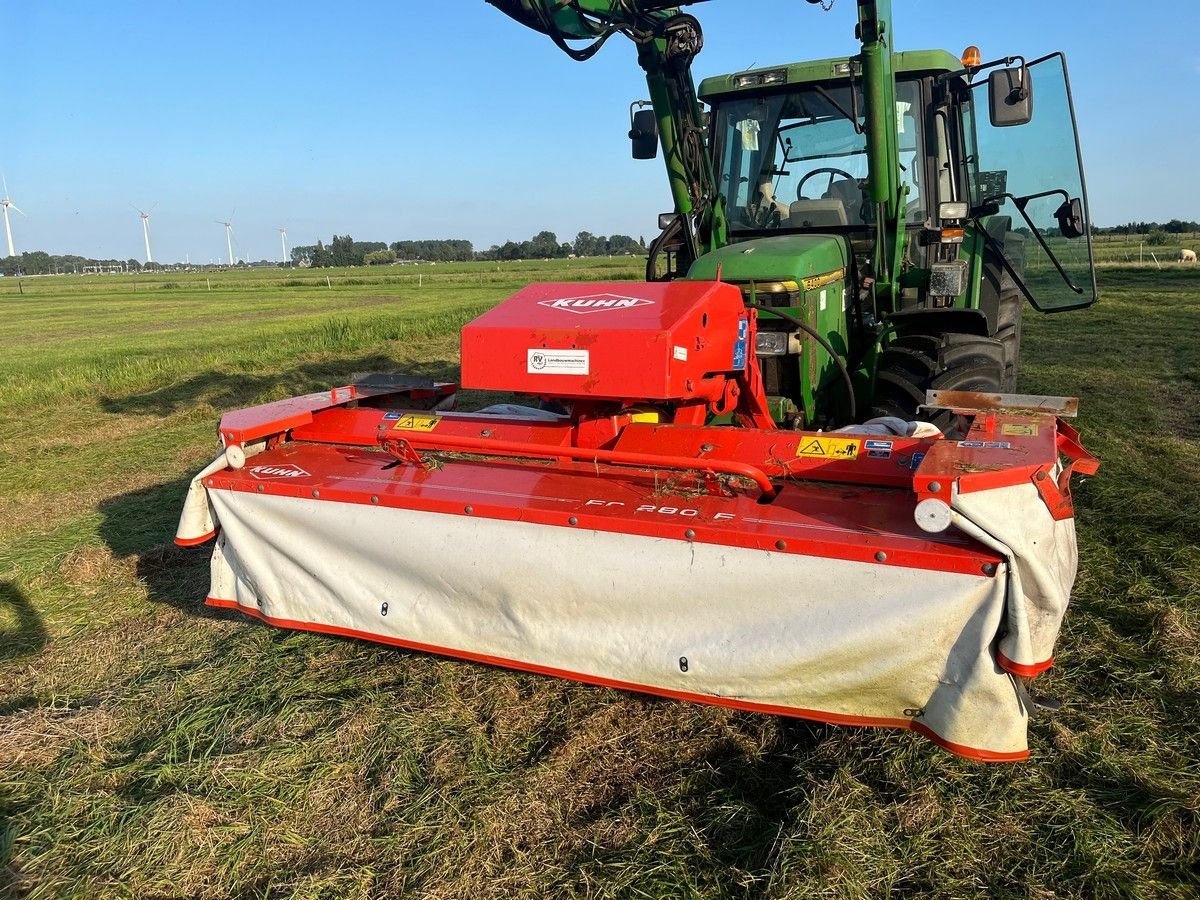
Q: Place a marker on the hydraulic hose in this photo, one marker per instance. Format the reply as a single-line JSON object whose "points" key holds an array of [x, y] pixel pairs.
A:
{"points": [[812, 332]]}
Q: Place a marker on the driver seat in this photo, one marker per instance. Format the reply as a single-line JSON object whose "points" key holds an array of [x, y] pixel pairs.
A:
{"points": [[817, 213], [850, 193]]}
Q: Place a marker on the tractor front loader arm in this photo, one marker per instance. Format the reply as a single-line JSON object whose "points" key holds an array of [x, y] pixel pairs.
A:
{"points": [[667, 42]]}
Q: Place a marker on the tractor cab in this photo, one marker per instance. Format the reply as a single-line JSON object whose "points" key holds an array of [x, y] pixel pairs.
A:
{"points": [[990, 211], [790, 151]]}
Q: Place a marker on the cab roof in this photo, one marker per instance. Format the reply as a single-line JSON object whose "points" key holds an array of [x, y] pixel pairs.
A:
{"points": [[835, 69]]}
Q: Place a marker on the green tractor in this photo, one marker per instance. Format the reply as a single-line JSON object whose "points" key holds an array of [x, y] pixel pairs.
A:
{"points": [[888, 214]]}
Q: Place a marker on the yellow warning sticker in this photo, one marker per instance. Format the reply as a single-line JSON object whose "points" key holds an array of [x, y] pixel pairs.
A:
{"points": [[417, 422], [1022, 430], [828, 448]]}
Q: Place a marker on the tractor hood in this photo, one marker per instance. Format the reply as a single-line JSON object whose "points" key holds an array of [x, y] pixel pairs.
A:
{"points": [[791, 257]]}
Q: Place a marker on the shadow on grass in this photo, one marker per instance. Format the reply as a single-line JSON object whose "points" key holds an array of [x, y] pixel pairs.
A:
{"points": [[141, 524], [28, 635], [231, 390]]}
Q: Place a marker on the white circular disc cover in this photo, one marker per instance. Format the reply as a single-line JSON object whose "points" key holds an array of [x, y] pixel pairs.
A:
{"points": [[932, 515], [235, 456]]}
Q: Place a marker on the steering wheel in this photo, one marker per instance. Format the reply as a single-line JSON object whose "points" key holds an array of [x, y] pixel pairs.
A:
{"points": [[827, 170]]}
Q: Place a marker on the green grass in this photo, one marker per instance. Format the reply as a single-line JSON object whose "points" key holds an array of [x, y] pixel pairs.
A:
{"points": [[150, 747]]}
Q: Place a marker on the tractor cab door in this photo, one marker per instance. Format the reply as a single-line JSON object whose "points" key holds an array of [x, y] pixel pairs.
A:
{"points": [[1028, 193]]}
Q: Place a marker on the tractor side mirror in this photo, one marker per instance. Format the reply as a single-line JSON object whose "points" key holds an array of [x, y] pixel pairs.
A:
{"points": [[644, 134], [1010, 97], [1070, 219]]}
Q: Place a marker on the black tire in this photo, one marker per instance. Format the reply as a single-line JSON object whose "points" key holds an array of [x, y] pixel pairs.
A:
{"points": [[916, 363], [1004, 304]]}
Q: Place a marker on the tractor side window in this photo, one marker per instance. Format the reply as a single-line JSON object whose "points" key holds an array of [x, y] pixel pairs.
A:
{"points": [[1032, 174], [912, 158]]}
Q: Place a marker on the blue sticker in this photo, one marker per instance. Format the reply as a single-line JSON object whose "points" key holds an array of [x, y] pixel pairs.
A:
{"points": [[392, 416], [974, 445], [916, 459], [739, 355], [879, 445], [743, 329]]}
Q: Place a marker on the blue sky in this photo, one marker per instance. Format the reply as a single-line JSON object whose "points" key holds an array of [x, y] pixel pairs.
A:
{"points": [[409, 119]]}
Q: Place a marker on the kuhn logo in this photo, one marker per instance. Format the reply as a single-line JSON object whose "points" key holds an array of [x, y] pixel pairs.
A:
{"points": [[594, 303], [266, 473]]}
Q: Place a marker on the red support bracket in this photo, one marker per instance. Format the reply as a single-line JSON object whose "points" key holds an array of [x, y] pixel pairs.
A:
{"points": [[1056, 493]]}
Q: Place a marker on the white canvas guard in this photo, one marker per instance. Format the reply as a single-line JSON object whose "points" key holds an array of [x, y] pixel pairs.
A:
{"points": [[839, 641], [1043, 558]]}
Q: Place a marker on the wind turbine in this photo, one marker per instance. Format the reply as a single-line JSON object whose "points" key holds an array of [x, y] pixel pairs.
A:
{"points": [[145, 217], [283, 242], [5, 202], [229, 236]]}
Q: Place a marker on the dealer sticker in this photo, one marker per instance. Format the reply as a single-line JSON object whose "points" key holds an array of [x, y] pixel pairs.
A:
{"points": [[417, 422], [877, 449], [1021, 430], [558, 362], [828, 448]]}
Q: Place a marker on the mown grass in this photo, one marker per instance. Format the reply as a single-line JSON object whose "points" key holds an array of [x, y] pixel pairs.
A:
{"points": [[150, 747]]}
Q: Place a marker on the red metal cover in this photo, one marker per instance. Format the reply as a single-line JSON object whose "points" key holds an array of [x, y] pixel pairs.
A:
{"points": [[620, 340]]}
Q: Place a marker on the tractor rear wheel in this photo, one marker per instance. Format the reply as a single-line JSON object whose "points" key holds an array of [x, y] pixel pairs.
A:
{"points": [[916, 363], [1004, 303]]}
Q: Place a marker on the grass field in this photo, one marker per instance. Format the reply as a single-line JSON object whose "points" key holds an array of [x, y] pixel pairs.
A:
{"points": [[150, 747]]}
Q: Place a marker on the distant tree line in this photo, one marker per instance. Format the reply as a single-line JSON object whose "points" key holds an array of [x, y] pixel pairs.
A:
{"points": [[1154, 233], [343, 250], [1175, 226], [38, 262]]}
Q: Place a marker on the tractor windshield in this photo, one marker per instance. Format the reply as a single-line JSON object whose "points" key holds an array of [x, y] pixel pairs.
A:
{"points": [[795, 160]]}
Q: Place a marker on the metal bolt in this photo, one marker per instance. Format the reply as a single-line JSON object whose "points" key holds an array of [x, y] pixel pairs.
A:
{"points": [[706, 448], [487, 432], [383, 610], [781, 545], [259, 488], [880, 556], [683, 664], [317, 494], [989, 568], [210, 482], [469, 510], [572, 521], [374, 499], [935, 487], [689, 534], [1041, 476]]}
